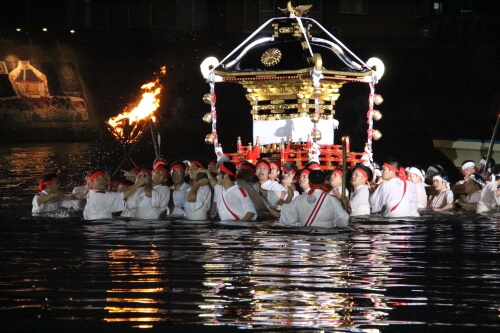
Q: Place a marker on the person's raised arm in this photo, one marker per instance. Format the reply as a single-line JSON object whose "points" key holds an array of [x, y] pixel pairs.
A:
{"points": [[43, 198], [141, 180]]}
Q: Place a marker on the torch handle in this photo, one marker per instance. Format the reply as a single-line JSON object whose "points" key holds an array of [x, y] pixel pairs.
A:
{"points": [[155, 144]]}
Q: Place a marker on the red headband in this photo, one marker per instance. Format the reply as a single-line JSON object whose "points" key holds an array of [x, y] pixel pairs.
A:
{"points": [[47, 182], [157, 163], [390, 167], [96, 174], [264, 164], [211, 163], [363, 172], [285, 170], [314, 166], [306, 171], [277, 167], [162, 169], [178, 166], [198, 164], [338, 171], [226, 170]]}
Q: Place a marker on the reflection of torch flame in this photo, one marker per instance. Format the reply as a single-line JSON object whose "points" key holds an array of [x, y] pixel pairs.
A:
{"points": [[128, 126]]}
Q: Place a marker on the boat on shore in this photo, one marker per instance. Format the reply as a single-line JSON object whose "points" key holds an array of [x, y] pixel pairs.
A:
{"points": [[459, 150]]}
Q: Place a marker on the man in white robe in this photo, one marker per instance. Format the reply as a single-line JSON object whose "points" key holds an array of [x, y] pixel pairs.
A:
{"points": [[230, 200], [316, 207], [179, 190], [150, 201], [101, 204], [394, 197]]}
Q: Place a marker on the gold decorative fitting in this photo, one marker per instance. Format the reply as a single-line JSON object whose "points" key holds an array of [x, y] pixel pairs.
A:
{"points": [[315, 117], [300, 11], [208, 98], [377, 115], [207, 117], [317, 92], [378, 99], [317, 61], [209, 139], [271, 57], [286, 30], [316, 135]]}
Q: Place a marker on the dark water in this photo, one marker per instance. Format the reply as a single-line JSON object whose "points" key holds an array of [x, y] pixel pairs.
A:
{"points": [[435, 273]]}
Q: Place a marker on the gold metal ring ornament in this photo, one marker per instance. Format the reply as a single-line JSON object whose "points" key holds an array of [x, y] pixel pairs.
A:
{"points": [[271, 57]]}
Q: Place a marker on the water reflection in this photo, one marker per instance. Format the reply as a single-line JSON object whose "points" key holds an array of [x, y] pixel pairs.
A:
{"points": [[295, 280], [129, 250]]}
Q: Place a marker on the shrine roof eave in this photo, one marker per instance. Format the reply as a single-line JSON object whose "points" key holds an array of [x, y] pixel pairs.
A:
{"points": [[303, 74]]}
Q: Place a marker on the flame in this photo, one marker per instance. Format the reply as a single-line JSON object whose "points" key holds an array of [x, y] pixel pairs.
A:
{"points": [[129, 125]]}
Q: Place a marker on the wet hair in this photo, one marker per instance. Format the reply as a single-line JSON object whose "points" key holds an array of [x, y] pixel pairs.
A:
{"points": [[290, 166], [495, 169], [394, 162], [316, 177], [438, 167], [366, 169]]}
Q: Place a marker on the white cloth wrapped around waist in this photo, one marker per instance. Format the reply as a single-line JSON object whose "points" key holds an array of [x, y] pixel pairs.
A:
{"points": [[177, 212], [99, 216]]}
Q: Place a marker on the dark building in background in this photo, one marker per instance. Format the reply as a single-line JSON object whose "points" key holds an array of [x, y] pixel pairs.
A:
{"points": [[441, 59]]}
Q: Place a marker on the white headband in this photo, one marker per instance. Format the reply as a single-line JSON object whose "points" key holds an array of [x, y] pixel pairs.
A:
{"points": [[437, 177], [483, 161], [468, 165], [417, 172]]}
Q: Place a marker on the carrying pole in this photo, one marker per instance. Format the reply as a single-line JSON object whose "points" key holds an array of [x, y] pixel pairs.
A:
{"points": [[345, 142], [492, 142]]}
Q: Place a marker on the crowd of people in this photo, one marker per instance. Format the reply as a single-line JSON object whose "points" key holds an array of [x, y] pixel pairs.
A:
{"points": [[310, 196]]}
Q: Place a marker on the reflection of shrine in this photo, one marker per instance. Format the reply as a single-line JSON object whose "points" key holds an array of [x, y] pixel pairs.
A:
{"points": [[299, 281]]}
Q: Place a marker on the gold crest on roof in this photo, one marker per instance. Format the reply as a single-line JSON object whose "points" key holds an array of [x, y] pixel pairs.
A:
{"points": [[299, 11]]}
